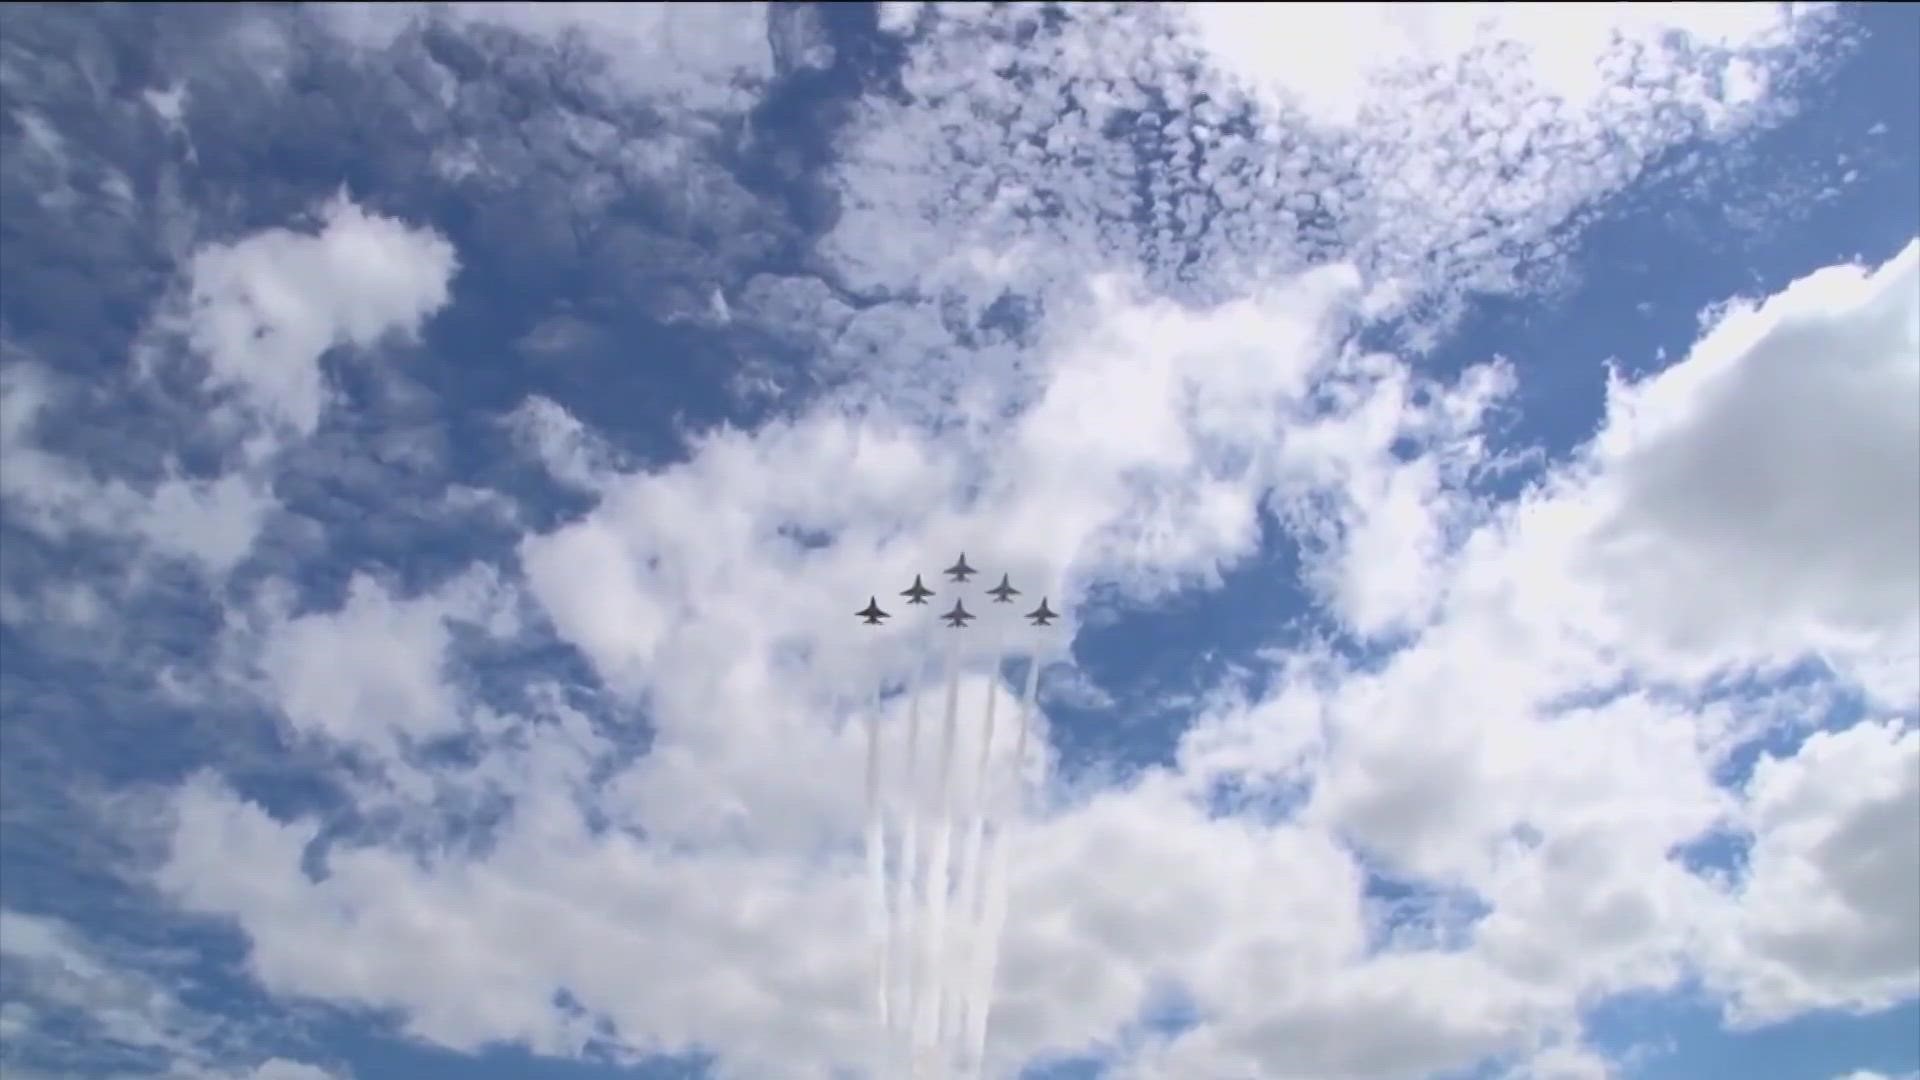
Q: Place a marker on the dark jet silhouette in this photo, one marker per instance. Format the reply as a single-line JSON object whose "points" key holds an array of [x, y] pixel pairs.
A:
{"points": [[872, 614], [1004, 592], [957, 618], [918, 594], [959, 571], [1041, 616]]}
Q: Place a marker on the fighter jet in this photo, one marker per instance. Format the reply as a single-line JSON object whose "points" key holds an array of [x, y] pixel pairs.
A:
{"points": [[872, 613], [1041, 616], [957, 618], [918, 594], [1004, 592], [959, 571]]}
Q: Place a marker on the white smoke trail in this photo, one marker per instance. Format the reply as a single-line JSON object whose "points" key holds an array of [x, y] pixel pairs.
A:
{"points": [[905, 895], [939, 865], [967, 887], [992, 903], [877, 927], [907, 810]]}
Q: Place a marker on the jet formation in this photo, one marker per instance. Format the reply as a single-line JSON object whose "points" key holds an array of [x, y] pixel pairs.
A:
{"points": [[937, 867], [959, 616]]}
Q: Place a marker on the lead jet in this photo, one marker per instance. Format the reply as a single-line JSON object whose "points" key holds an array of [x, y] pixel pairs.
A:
{"points": [[1041, 616], [918, 594], [957, 618], [872, 613], [1004, 592], [959, 571]]}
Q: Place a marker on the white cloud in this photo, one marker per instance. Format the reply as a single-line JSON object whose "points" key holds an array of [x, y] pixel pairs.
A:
{"points": [[265, 308], [1070, 685], [170, 105], [1764, 494], [551, 907], [691, 56], [283, 1069], [571, 454], [1374, 488], [215, 521], [897, 16], [1335, 61], [1459, 762], [1829, 911], [1565, 1063], [395, 649], [1143, 459]]}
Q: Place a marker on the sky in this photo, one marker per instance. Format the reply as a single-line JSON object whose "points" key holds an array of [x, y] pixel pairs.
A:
{"points": [[1475, 451]]}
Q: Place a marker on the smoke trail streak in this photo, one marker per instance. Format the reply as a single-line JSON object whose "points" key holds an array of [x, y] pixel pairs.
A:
{"points": [[967, 887], [906, 899], [993, 902], [927, 1018], [877, 872]]}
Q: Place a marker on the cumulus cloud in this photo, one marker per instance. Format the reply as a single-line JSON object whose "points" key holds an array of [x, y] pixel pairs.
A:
{"points": [[1829, 911], [1765, 491], [1467, 760], [396, 649], [266, 308]]}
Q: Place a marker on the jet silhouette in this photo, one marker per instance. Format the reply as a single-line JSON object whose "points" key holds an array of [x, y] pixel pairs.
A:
{"points": [[872, 614], [959, 571], [918, 594], [1004, 592], [1041, 616], [957, 618]]}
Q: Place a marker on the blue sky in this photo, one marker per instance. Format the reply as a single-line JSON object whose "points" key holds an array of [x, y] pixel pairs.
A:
{"points": [[1476, 454]]}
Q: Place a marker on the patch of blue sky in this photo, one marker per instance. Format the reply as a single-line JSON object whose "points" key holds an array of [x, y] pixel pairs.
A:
{"points": [[1155, 658], [1406, 913], [1078, 1067], [381, 1049], [1236, 797], [1681, 1036]]}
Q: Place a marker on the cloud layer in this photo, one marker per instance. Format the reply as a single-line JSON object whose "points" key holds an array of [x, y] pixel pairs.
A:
{"points": [[511, 707]]}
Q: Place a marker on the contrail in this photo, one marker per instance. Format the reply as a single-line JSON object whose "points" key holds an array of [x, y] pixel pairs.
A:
{"points": [[967, 888], [877, 927], [906, 899], [992, 903], [940, 865]]}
